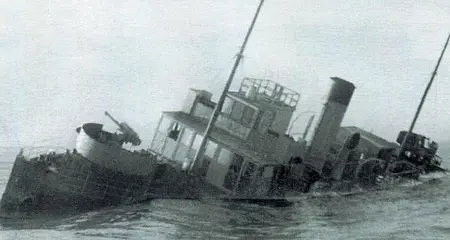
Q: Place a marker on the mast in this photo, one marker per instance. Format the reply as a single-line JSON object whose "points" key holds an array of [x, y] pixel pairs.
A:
{"points": [[423, 98], [201, 150]]}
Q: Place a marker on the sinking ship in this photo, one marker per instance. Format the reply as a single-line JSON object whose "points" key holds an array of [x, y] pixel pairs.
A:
{"points": [[237, 148], [248, 156]]}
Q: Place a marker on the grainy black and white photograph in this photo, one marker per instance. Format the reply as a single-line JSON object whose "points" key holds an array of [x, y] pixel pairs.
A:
{"points": [[236, 119]]}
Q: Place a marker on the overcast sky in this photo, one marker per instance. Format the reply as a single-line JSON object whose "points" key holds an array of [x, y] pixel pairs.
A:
{"points": [[63, 63]]}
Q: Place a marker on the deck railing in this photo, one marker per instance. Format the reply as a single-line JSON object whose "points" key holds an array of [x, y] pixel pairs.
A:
{"points": [[271, 89]]}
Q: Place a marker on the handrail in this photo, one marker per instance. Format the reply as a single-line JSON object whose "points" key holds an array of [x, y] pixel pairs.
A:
{"points": [[268, 87]]}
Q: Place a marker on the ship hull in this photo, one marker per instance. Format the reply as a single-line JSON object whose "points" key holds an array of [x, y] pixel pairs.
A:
{"points": [[65, 182], [172, 181], [98, 173]]}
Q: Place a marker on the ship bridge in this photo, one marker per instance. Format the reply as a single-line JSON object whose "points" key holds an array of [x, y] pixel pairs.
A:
{"points": [[256, 117], [249, 132], [262, 105]]}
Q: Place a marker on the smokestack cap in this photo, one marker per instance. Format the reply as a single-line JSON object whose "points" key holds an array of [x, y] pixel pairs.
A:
{"points": [[341, 91]]}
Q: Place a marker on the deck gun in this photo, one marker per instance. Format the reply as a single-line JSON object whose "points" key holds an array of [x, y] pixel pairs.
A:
{"points": [[128, 134]]}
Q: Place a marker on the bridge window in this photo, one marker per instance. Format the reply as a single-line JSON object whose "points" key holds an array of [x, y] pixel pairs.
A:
{"points": [[233, 171], [239, 111], [174, 131], [187, 136], [197, 141], [247, 176], [165, 125], [170, 127], [195, 145], [227, 106], [264, 121], [211, 148], [225, 156], [248, 115]]}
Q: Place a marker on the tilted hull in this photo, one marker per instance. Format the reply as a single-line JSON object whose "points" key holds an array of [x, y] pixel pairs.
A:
{"points": [[96, 174], [172, 181], [54, 182]]}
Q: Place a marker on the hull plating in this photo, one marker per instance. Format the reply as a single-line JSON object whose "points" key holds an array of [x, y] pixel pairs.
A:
{"points": [[68, 181]]}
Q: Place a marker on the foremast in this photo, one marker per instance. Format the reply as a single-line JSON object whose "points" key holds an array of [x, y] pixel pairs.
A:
{"points": [[199, 154]]}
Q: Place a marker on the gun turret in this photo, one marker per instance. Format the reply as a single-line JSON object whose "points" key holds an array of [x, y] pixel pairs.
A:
{"points": [[129, 135]]}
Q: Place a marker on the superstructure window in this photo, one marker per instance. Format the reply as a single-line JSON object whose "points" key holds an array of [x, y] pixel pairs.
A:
{"points": [[238, 109], [225, 156], [248, 115], [197, 141], [195, 145], [174, 131], [211, 148], [165, 125], [247, 176], [227, 107], [233, 171], [187, 136]]}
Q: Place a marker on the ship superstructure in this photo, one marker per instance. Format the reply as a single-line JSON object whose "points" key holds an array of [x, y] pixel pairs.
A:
{"points": [[248, 151], [248, 139]]}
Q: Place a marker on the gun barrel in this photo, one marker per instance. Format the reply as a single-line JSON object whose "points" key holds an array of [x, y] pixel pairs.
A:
{"points": [[128, 132], [112, 118]]}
